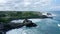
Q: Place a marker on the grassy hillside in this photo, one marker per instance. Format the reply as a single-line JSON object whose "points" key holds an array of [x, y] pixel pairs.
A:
{"points": [[6, 16]]}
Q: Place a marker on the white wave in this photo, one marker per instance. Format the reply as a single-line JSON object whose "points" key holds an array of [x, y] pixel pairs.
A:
{"points": [[58, 25], [16, 21], [15, 31], [22, 31], [53, 15], [20, 21], [45, 13], [35, 20]]}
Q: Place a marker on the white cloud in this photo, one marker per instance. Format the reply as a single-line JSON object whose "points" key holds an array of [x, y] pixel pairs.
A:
{"points": [[55, 8], [3, 1], [35, 5], [26, 3], [44, 2], [39, 4]]}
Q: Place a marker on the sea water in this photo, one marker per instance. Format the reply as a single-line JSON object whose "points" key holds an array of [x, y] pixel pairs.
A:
{"points": [[45, 26]]}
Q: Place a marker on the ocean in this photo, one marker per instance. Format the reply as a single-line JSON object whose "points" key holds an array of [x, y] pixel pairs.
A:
{"points": [[45, 26]]}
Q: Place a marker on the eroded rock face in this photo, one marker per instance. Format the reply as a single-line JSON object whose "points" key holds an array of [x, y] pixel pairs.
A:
{"points": [[29, 23]]}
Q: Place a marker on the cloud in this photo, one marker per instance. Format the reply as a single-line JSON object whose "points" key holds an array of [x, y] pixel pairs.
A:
{"points": [[55, 8], [3, 1], [28, 5]]}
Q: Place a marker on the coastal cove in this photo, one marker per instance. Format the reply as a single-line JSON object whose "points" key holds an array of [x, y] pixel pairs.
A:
{"points": [[45, 26]]}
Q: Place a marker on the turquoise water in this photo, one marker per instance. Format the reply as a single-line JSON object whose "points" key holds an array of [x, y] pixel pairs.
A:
{"points": [[45, 26]]}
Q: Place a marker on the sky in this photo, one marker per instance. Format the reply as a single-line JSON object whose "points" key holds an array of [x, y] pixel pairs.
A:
{"points": [[29, 5]]}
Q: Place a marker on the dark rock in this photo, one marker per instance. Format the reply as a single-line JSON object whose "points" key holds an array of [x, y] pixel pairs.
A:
{"points": [[31, 25], [10, 26], [0, 32], [48, 13], [4, 27]]}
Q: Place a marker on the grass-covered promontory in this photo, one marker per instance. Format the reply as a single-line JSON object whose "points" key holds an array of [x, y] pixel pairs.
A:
{"points": [[6, 16]]}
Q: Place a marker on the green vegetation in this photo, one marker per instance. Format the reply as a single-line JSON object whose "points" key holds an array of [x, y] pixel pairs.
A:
{"points": [[19, 14], [6, 16]]}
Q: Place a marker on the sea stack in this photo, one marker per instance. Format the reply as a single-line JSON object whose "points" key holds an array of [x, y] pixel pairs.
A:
{"points": [[29, 23]]}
